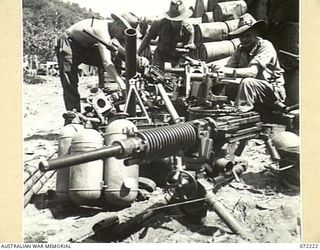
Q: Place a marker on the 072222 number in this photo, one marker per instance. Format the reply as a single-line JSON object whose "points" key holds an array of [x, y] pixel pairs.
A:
{"points": [[309, 245]]}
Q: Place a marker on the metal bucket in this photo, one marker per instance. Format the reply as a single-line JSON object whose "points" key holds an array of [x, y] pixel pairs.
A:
{"points": [[212, 51], [229, 10], [209, 32], [207, 17]]}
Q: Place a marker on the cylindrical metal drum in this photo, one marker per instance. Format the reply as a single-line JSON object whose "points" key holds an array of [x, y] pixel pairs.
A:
{"points": [[209, 32], [260, 9], [282, 11], [229, 10], [64, 143], [232, 24], [292, 86], [207, 17], [212, 4], [199, 8], [85, 181], [193, 20], [288, 146], [217, 50], [205, 5], [289, 38], [121, 182]]}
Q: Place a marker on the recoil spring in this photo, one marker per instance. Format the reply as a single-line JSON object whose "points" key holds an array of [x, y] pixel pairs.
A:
{"points": [[166, 141]]}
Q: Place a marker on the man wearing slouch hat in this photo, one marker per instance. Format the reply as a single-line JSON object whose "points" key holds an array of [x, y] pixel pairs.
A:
{"points": [[255, 61], [170, 31]]}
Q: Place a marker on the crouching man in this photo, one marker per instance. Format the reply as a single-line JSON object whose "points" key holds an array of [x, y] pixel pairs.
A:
{"points": [[255, 61]]}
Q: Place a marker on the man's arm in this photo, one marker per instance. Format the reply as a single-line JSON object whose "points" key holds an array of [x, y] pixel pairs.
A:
{"points": [[108, 65], [251, 71], [189, 29], [145, 42], [101, 32], [152, 34]]}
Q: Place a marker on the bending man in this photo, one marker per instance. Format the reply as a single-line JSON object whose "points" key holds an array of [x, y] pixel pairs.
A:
{"points": [[75, 47]]}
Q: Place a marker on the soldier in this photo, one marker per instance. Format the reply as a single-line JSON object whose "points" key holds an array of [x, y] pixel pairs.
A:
{"points": [[75, 47], [255, 61], [171, 30]]}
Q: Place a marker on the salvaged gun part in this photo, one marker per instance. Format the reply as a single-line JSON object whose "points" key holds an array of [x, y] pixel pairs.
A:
{"points": [[206, 148], [200, 87]]}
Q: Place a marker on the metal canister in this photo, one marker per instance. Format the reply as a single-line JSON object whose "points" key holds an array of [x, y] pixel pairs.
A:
{"points": [[288, 146], [121, 181], [212, 4], [85, 180], [209, 32], [289, 37], [193, 20], [212, 51], [207, 17], [232, 24], [229, 10], [199, 8], [261, 12], [282, 11], [64, 143], [288, 41], [286, 141], [292, 86]]}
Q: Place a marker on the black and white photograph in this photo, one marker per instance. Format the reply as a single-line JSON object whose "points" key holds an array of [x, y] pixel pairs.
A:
{"points": [[161, 121]]}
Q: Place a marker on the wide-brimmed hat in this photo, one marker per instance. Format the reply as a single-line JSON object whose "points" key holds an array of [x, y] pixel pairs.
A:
{"points": [[129, 19], [247, 22], [177, 11]]}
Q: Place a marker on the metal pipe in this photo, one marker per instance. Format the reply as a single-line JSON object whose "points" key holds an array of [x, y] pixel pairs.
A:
{"points": [[29, 172], [174, 115], [101, 77], [131, 65], [125, 229], [37, 187], [227, 217], [30, 182], [75, 159]]}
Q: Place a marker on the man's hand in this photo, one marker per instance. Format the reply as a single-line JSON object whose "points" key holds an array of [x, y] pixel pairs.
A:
{"points": [[191, 46], [142, 62]]}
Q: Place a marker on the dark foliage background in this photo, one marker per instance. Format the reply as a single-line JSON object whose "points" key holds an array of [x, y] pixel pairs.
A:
{"points": [[44, 21]]}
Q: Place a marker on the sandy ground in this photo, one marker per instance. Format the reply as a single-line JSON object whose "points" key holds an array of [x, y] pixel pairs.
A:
{"points": [[268, 210]]}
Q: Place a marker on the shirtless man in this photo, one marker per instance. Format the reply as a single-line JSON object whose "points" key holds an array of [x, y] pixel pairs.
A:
{"points": [[75, 46]]}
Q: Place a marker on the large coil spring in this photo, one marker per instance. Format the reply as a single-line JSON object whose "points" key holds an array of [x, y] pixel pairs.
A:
{"points": [[166, 141]]}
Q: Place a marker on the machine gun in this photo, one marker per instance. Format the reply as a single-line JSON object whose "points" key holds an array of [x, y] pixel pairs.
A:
{"points": [[206, 137], [205, 146], [200, 87]]}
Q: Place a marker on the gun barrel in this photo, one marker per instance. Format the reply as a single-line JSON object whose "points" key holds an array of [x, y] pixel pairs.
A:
{"points": [[74, 159]]}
